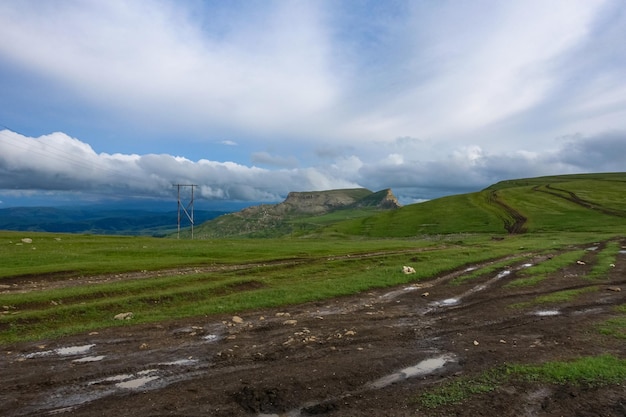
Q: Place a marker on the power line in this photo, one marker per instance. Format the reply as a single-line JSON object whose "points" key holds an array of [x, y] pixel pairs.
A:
{"points": [[186, 209]]}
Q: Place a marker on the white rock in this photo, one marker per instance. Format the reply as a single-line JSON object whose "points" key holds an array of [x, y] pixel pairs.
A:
{"points": [[123, 316], [408, 270]]}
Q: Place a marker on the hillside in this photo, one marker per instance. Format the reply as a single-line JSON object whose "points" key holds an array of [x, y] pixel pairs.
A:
{"points": [[299, 213], [581, 202]]}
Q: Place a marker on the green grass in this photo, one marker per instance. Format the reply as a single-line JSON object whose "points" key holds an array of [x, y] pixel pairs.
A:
{"points": [[307, 271], [537, 273], [591, 371], [556, 297], [606, 257], [616, 326], [460, 389], [272, 273]]}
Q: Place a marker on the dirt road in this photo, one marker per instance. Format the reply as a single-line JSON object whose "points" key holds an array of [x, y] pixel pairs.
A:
{"points": [[366, 355]]}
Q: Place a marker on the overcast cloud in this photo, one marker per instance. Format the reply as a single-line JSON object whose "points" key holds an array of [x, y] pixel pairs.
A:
{"points": [[253, 99]]}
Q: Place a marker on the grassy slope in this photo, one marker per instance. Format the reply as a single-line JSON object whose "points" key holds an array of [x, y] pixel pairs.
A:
{"points": [[597, 205]]}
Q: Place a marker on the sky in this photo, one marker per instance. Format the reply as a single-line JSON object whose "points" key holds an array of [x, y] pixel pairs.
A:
{"points": [[249, 100]]}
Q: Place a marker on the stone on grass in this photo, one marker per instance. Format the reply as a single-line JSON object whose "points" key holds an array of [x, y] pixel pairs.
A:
{"points": [[124, 316]]}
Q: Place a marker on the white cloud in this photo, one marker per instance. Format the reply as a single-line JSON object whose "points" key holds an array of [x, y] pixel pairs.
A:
{"points": [[58, 162], [34, 164]]}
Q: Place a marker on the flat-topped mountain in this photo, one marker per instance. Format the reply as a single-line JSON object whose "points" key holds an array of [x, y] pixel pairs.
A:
{"points": [[283, 218]]}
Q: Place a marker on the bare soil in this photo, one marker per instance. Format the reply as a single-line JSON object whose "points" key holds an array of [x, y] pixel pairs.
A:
{"points": [[371, 354]]}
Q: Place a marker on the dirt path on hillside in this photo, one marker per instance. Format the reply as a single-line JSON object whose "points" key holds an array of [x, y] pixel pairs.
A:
{"points": [[366, 355], [515, 223]]}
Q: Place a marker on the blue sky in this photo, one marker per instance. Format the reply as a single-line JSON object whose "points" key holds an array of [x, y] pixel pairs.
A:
{"points": [[253, 99]]}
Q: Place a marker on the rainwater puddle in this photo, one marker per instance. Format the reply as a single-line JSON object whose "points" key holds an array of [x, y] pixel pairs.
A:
{"points": [[622, 252], [64, 351], [137, 382], [450, 301], [527, 265], [503, 274], [129, 381], [180, 362], [546, 313], [87, 359], [74, 350], [425, 367], [592, 248], [211, 338]]}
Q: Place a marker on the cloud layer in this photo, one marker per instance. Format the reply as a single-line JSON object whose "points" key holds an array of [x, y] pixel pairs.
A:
{"points": [[57, 162]]}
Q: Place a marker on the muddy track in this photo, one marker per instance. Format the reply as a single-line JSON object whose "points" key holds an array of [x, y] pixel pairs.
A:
{"points": [[515, 222], [370, 354], [572, 197]]}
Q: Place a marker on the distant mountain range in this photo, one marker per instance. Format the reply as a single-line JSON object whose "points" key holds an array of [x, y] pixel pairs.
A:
{"points": [[98, 220]]}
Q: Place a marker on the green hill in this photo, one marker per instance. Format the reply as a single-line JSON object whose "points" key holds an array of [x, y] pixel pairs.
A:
{"points": [[582, 202]]}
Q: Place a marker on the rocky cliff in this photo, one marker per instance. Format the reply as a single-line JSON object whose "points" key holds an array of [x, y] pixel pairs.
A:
{"points": [[278, 219]]}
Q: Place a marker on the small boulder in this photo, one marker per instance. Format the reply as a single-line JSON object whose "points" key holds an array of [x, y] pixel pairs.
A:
{"points": [[237, 320], [408, 270], [123, 316]]}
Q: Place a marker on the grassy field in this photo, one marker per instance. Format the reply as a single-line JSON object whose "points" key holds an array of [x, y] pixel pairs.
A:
{"points": [[238, 274]]}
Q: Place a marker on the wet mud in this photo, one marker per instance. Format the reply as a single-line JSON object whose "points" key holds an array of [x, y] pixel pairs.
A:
{"points": [[371, 354]]}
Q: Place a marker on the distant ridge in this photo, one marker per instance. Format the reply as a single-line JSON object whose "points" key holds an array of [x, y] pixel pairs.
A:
{"points": [[273, 220]]}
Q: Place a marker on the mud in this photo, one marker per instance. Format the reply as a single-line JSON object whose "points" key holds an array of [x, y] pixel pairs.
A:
{"points": [[370, 354]]}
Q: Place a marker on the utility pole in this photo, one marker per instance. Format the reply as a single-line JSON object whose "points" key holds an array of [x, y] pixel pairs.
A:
{"points": [[187, 209]]}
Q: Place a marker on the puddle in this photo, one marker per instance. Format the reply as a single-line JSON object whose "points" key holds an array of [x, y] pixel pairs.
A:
{"points": [[64, 351], [74, 350], [211, 338], [180, 362], [87, 359], [622, 252], [592, 248], [545, 313], [503, 274], [129, 381], [527, 265], [137, 382], [425, 367], [450, 301]]}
